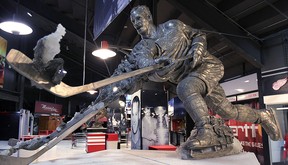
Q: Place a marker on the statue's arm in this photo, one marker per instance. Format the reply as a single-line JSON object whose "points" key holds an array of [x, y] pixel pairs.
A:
{"points": [[198, 47]]}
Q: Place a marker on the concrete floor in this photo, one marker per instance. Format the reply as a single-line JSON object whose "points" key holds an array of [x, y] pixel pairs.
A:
{"points": [[64, 154]]}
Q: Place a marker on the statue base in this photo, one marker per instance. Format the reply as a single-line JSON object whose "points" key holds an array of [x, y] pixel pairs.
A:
{"points": [[152, 157]]}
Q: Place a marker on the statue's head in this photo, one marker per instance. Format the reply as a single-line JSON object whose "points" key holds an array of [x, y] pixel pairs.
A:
{"points": [[141, 19], [143, 10]]}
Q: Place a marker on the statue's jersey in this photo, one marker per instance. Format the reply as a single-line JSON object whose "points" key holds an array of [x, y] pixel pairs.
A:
{"points": [[178, 41]]}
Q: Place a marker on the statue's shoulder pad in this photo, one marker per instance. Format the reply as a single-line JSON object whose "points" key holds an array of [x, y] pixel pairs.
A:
{"points": [[174, 23]]}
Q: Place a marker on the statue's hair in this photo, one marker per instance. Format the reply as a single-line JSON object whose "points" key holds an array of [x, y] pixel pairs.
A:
{"points": [[142, 9]]}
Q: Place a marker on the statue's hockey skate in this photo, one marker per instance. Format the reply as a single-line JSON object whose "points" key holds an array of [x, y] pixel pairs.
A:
{"points": [[213, 140]]}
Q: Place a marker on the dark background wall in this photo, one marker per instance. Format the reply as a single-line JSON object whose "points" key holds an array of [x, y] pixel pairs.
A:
{"points": [[275, 60]]}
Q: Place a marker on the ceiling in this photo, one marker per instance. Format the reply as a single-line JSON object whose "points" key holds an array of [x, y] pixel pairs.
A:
{"points": [[235, 30]]}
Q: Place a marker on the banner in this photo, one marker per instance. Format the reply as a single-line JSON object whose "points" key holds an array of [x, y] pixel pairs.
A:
{"points": [[48, 108], [136, 127], [3, 48], [105, 12]]}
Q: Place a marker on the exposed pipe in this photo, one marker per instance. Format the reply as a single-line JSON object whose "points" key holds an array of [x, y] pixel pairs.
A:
{"points": [[248, 33], [270, 26], [247, 9], [85, 42], [285, 35], [280, 12], [285, 47], [221, 33]]}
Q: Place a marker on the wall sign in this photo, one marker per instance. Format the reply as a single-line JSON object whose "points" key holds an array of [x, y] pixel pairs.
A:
{"points": [[232, 98], [48, 108], [248, 96]]}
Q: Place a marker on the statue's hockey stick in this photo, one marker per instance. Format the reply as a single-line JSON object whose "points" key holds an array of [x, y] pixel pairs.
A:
{"points": [[23, 65]]}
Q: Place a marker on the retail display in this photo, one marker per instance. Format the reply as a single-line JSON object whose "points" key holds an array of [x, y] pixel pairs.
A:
{"points": [[149, 124], [49, 122]]}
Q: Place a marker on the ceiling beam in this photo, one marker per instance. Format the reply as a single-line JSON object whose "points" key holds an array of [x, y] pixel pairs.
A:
{"points": [[211, 19], [55, 16]]}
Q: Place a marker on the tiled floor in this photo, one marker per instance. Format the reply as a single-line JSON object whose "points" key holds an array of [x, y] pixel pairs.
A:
{"points": [[63, 154]]}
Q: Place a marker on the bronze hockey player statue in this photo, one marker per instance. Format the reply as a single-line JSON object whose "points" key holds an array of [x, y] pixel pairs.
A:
{"points": [[187, 63]]}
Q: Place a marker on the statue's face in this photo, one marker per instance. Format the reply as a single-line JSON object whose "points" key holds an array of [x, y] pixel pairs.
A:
{"points": [[141, 22]]}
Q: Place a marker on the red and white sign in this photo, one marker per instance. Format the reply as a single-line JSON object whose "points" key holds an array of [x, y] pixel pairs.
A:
{"points": [[232, 98], [250, 136], [248, 96], [48, 108]]}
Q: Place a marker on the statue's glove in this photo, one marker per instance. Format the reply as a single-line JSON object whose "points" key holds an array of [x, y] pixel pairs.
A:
{"points": [[143, 63], [164, 60]]}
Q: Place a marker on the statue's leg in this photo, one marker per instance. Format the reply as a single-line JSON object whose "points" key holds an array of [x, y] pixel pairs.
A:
{"points": [[208, 132], [218, 102]]}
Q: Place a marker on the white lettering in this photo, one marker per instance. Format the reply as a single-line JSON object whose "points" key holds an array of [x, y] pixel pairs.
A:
{"points": [[47, 108], [251, 144], [237, 129]]}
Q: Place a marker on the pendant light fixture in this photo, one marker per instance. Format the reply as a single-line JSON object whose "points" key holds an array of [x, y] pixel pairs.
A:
{"points": [[14, 26], [104, 52]]}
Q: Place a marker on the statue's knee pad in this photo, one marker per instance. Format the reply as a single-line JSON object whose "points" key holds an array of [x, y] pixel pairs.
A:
{"points": [[227, 110], [189, 86]]}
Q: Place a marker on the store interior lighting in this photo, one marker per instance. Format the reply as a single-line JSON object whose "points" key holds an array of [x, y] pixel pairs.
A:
{"points": [[15, 26], [104, 52]]}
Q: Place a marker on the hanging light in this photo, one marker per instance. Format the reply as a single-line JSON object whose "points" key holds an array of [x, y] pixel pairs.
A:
{"points": [[104, 52], [16, 27]]}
